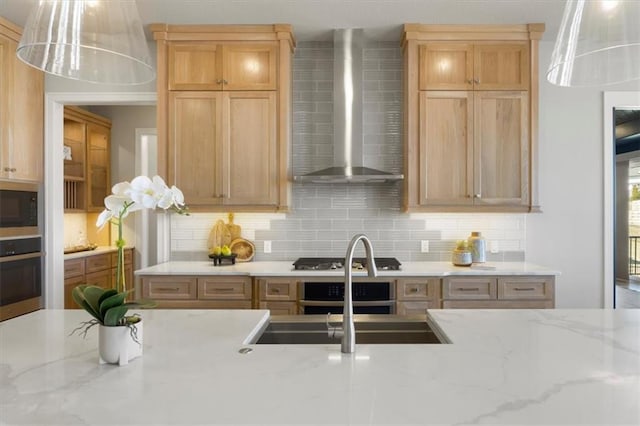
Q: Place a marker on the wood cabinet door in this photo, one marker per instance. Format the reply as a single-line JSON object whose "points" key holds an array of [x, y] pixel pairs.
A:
{"points": [[98, 165], [501, 148], [21, 117], [6, 82], [501, 66], [100, 279], [446, 66], [69, 285], [195, 146], [446, 148], [249, 66], [195, 66], [250, 149]]}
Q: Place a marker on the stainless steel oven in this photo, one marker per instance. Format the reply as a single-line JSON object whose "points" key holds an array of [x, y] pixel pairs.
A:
{"points": [[18, 209], [20, 276], [369, 297]]}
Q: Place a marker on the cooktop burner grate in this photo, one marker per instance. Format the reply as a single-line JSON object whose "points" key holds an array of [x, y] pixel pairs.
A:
{"points": [[333, 263]]}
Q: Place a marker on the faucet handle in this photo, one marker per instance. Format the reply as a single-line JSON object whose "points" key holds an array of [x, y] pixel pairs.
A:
{"points": [[334, 332]]}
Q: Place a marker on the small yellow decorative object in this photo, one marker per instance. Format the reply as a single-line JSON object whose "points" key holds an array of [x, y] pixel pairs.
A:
{"points": [[461, 256], [225, 251]]}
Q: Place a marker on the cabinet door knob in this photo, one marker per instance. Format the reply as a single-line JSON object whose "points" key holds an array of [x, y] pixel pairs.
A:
{"points": [[476, 80], [470, 81], [477, 196], [219, 81], [225, 82]]}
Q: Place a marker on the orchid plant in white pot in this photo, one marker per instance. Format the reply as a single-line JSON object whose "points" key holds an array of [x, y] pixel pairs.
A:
{"points": [[109, 307]]}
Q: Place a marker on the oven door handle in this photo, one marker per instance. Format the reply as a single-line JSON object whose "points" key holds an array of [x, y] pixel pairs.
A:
{"points": [[13, 258], [340, 302]]}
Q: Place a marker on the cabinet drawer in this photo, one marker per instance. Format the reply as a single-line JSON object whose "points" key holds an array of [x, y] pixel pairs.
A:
{"points": [[98, 263], [179, 288], [100, 278], [73, 268], [278, 289], [224, 288], [469, 288], [418, 289], [525, 288], [128, 257]]}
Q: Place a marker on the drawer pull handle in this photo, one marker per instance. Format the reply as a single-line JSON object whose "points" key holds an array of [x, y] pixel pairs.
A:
{"points": [[225, 289], [524, 289], [275, 290], [414, 290], [168, 289], [469, 289]]}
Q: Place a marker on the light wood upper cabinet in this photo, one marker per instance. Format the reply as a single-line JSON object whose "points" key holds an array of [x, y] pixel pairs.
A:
{"points": [[501, 148], [466, 66], [98, 165], [21, 112], [471, 117], [446, 148], [87, 176], [473, 148], [224, 98], [214, 66], [224, 148]]}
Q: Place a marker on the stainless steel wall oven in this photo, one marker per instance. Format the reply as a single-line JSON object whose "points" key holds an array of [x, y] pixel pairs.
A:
{"points": [[20, 276]]}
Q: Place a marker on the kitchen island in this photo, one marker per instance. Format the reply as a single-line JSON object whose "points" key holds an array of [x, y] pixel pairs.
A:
{"points": [[503, 367]]}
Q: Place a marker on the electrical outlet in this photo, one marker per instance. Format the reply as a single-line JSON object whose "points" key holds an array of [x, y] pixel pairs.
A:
{"points": [[267, 247], [424, 246], [494, 247]]}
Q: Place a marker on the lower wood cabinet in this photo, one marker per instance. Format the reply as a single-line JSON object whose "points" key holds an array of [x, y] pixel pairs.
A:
{"points": [[95, 269], [210, 292], [413, 295], [416, 295], [279, 295], [509, 292]]}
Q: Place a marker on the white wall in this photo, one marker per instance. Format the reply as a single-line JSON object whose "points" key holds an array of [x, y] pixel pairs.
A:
{"points": [[568, 235]]}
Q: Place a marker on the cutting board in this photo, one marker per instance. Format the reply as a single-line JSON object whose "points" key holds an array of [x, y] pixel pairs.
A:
{"points": [[234, 230], [219, 235]]}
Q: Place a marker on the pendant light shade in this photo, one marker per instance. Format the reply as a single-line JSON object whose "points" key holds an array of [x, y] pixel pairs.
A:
{"points": [[598, 43], [100, 41]]}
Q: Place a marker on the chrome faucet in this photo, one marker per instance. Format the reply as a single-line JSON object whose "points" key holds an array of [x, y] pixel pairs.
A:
{"points": [[349, 330]]}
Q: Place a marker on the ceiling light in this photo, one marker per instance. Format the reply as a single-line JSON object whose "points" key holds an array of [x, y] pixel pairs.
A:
{"points": [[100, 41], [598, 43]]}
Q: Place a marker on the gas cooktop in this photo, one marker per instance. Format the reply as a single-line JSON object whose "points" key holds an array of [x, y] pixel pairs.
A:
{"points": [[333, 263]]}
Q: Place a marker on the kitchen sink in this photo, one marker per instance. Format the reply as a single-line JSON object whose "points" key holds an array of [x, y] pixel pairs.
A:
{"points": [[370, 329]]}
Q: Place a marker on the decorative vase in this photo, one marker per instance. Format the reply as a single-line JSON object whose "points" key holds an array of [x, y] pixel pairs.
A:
{"points": [[116, 345]]}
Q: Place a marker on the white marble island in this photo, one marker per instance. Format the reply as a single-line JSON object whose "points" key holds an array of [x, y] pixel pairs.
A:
{"points": [[503, 367]]}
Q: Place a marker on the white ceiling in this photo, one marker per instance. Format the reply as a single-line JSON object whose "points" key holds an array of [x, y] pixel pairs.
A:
{"points": [[314, 19]]}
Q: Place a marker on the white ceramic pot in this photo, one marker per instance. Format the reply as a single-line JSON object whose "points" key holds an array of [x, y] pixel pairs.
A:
{"points": [[116, 346]]}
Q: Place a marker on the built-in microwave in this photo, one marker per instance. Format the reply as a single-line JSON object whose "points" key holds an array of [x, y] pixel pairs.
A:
{"points": [[18, 209]]}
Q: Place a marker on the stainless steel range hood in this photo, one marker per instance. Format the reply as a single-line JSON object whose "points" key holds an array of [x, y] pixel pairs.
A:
{"points": [[348, 140]]}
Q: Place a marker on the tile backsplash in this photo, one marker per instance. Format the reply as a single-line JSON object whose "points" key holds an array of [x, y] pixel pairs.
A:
{"points": [[325, 217]]}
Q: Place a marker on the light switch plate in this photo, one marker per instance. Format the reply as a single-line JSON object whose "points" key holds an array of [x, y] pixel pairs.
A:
{"points": [[267, 247], [494, 247], [424, 246]]}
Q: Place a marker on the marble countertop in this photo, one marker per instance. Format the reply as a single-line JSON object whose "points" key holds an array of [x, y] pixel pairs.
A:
{"points": [[504, 367], [285, 268]]}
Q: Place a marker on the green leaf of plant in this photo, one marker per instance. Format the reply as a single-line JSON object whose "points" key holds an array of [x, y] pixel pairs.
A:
{"points": [[113, 316], [114, 300], [78, 294], [92, 294], [87, 308], [106, 295]]}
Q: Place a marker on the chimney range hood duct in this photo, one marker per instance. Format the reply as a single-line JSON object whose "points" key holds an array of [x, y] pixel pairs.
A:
{"points": [[347, 116]]}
